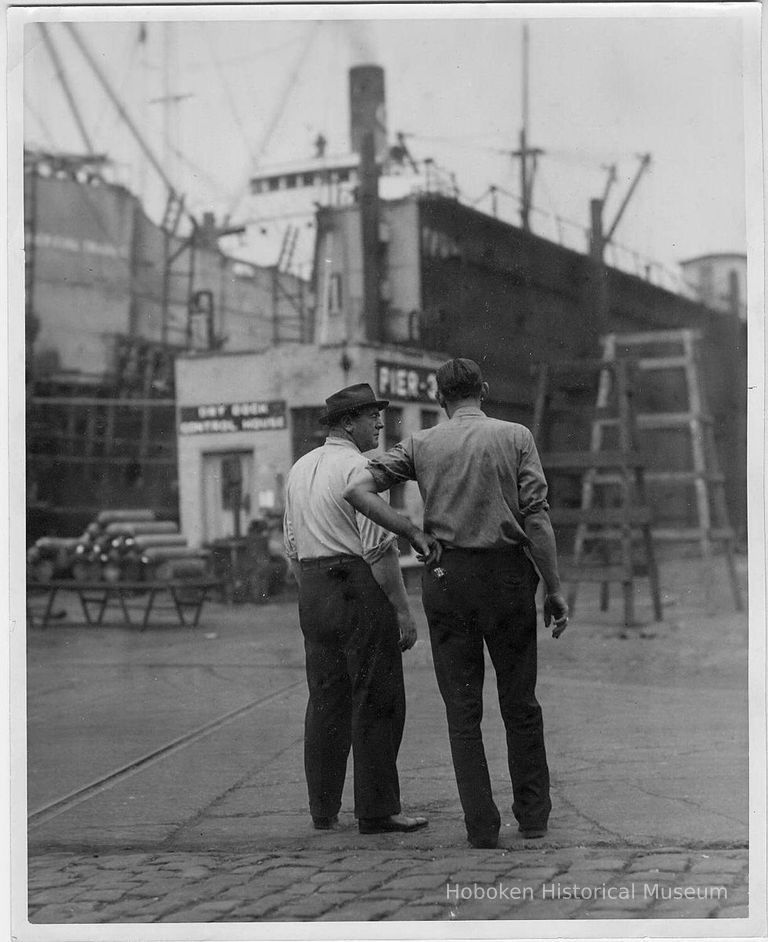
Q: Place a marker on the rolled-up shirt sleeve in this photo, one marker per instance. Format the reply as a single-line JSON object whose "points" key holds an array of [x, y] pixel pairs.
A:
{"points": [[531, 483], [289, 540], [394, 466], [375, 540]]}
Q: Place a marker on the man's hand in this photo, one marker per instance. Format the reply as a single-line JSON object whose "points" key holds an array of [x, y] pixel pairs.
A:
{"points": [[555, 607], [407, 628], [428, 549]]}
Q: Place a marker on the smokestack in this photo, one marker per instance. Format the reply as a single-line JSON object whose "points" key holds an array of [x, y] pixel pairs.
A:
{"points": [[367, 108], [369, 226]]}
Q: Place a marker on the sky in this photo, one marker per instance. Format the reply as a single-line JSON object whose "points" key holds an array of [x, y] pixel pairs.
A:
{"points": [[253, 92]]}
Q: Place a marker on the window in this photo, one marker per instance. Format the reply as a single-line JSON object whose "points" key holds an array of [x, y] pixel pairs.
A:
{"points": [[334, 294], [429, 418], [307, 432], [393, 426]]}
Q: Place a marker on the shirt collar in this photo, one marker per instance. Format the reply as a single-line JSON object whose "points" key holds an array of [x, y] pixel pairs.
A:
{"points": [[468, 410], [344, 442]]}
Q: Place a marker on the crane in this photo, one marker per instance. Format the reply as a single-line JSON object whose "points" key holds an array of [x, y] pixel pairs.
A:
{"points": [[598, 238]]}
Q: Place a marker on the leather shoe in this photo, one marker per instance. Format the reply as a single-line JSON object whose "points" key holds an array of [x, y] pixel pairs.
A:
{"points": [[325, 824], [530, 833], [391, 823]]}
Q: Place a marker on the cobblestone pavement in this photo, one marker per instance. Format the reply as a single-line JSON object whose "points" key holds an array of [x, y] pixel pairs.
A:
{"points": [[646, 733], [399, 884]]}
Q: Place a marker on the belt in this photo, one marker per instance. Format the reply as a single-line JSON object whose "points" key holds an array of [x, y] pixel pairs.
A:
{"points": [[323, 562]]}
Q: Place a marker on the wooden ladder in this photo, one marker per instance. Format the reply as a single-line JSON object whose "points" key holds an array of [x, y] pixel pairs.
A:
{"points": [[679, 351], [604, 521]]}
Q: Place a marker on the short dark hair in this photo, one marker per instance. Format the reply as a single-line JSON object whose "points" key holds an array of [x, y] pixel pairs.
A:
{"points": [[459, 379]]}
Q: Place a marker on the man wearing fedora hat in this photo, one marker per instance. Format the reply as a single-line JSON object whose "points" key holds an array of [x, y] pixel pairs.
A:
{"points": [[356, 621], [486, 522]]}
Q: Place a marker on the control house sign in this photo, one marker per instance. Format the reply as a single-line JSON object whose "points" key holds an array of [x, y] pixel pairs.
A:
{"points": [[232, 417]]}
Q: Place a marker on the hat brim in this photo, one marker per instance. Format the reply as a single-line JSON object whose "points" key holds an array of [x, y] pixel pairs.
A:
{"points": [[327, 417]]}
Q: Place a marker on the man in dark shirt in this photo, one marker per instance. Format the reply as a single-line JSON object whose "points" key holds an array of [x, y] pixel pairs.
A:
{"points": [[485, 520]]}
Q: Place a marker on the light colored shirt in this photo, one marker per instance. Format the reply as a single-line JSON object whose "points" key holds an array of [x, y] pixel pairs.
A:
{"points": [[318, 520], [478, 477]]}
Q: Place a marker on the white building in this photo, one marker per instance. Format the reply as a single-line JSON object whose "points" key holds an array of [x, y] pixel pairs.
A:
{"points": [[250, 416], [719, 281]]}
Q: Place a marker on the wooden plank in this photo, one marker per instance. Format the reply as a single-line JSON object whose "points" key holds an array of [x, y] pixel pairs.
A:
{"points": [[542, 393], [585, 460], [659, 336], [650, 420], [692, 534], [600, 516], [683, 477], [664, 477], [103, 462], [570, 572], [662, 363], [587, 365], [94, 401]]}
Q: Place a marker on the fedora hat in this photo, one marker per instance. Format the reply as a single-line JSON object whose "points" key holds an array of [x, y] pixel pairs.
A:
{"points": [[351, 399]]}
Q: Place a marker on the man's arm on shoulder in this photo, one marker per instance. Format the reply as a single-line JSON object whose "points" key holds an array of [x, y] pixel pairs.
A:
{"points": [[386, 571]]}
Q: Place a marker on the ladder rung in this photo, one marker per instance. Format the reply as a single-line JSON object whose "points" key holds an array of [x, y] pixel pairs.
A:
{"points": [[592, 459], [693, 534], [668, 477], [683, 477], [606, 534], [656, 336], [663, 363], [573, 573], [661, 419], [600, 516], [586, 365]]}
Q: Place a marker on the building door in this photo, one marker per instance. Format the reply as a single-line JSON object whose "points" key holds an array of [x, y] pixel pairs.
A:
{"points": [[227, 485]]}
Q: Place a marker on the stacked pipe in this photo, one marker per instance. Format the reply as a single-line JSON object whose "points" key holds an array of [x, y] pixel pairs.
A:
{"points": [[119, 546], [51, 558]]}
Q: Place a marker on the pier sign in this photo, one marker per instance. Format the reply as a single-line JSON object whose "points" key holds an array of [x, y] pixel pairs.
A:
{"points": [[402, 381]]}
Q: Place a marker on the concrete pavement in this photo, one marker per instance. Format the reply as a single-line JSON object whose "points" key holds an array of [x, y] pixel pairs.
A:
{"points": [[646, 733]]}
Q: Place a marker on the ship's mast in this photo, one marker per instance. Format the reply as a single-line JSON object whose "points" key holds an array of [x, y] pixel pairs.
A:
{"points": [[528, 155]]}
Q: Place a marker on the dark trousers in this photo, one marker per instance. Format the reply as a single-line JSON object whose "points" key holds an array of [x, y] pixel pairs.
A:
{"points": [[489, 596], [356, 693]]}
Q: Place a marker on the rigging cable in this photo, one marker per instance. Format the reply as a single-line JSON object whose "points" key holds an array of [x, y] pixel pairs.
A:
{"points": [[278, 110], [63, 81], [41, 122], [239, 123], [106, 109], [286, 93]]}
